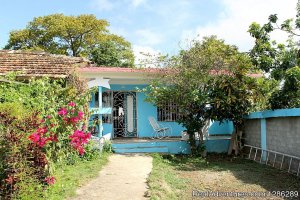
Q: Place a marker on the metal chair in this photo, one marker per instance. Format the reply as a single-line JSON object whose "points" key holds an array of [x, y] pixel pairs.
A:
{"points": [[158, 130]]}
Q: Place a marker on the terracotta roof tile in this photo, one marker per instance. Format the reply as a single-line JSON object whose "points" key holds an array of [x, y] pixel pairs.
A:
{"points": [[118, 69], [38, 63]]}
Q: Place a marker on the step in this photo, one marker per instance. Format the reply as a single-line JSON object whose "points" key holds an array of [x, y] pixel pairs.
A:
{"points": [[156, 149], [135, 144]]}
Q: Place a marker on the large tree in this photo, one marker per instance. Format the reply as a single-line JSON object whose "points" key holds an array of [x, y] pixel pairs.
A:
{"points": [[208, 81], [279, 59], [82, 35]]}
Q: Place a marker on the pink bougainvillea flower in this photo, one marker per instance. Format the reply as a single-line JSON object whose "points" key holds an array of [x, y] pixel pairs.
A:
{"points": [[78, 139], [50, 180], [80, 150], [42, 130], [42, 142], [49, 116], [72, 104], [34, 137], [80, 114], [74, 120], [62, 111]]}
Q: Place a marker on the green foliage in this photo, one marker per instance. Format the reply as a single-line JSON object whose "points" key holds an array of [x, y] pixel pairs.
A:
{"points": [[20, 162], [264, 89], [267, 54], [208, 81], [114, 54], [288, 96], [278, 59], [231, 92], [107, 147], [82, 35], [29, 188]]}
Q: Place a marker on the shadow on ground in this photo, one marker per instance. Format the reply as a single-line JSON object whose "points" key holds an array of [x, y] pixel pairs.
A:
{"points": [[249, 172]]}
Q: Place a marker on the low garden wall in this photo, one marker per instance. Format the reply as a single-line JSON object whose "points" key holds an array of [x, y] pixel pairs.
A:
{"points": [[277, 130]]}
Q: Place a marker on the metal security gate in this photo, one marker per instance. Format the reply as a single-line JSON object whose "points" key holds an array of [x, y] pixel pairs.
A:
{"points": [[124, 114]]}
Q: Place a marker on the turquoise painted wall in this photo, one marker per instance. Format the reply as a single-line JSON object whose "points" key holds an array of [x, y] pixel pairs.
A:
{"points": [[145, 109], [224, 128], [107, 128], [291, 112]]}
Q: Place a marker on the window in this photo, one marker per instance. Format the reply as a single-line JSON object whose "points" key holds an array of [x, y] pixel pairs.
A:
{"points": [[168, 113], [106, 118], [106, 99]]}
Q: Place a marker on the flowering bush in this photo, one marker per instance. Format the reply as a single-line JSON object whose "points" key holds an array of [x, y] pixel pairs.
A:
{"points": [[43, 127], [78, 139], [64, 127]]}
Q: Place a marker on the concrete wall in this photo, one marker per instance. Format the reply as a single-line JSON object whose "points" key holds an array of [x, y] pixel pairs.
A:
{"points": [[280, 133], [252, 132], [283, 135]]}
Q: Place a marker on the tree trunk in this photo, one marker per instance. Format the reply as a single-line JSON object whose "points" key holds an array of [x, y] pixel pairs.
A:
{"points": [[192, 141], [201, 143], [235, 142]]}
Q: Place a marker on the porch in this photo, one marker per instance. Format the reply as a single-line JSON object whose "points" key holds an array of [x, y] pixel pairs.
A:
{"points": [[122, 114]]}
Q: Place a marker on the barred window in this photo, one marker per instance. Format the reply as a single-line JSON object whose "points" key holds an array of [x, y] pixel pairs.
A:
{"points": [[107, 99], [168, 113]]}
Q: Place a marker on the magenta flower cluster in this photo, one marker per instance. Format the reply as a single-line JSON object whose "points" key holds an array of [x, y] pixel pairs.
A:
{"points": [[66, 119], [79, 139], [40, 138]]}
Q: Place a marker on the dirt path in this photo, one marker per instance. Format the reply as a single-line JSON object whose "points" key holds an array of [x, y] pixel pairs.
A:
{"points": [[124, 177]]}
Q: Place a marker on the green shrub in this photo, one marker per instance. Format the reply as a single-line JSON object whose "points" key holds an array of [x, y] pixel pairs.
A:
{"points": [[107, 147], [289, 94]]}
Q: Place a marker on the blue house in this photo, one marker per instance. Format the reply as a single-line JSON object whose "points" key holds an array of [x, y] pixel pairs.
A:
{"points": [[122, 109], [124, 114]]}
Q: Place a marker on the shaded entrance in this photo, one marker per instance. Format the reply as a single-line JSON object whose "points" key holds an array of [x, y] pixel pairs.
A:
{"points": [[124, 114]]}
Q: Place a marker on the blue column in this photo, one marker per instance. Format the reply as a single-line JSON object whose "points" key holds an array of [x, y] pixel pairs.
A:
{"points": [[100, 108], [92, 103], [263, 136]]}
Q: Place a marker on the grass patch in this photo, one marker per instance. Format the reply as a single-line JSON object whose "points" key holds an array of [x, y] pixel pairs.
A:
{"points": [[164, 182], [70, 177], [175, 177]]}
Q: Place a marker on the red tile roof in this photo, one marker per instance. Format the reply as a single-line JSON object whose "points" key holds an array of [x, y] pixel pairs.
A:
{"points": [[118, 69], [44, 64], [38, 63]]}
